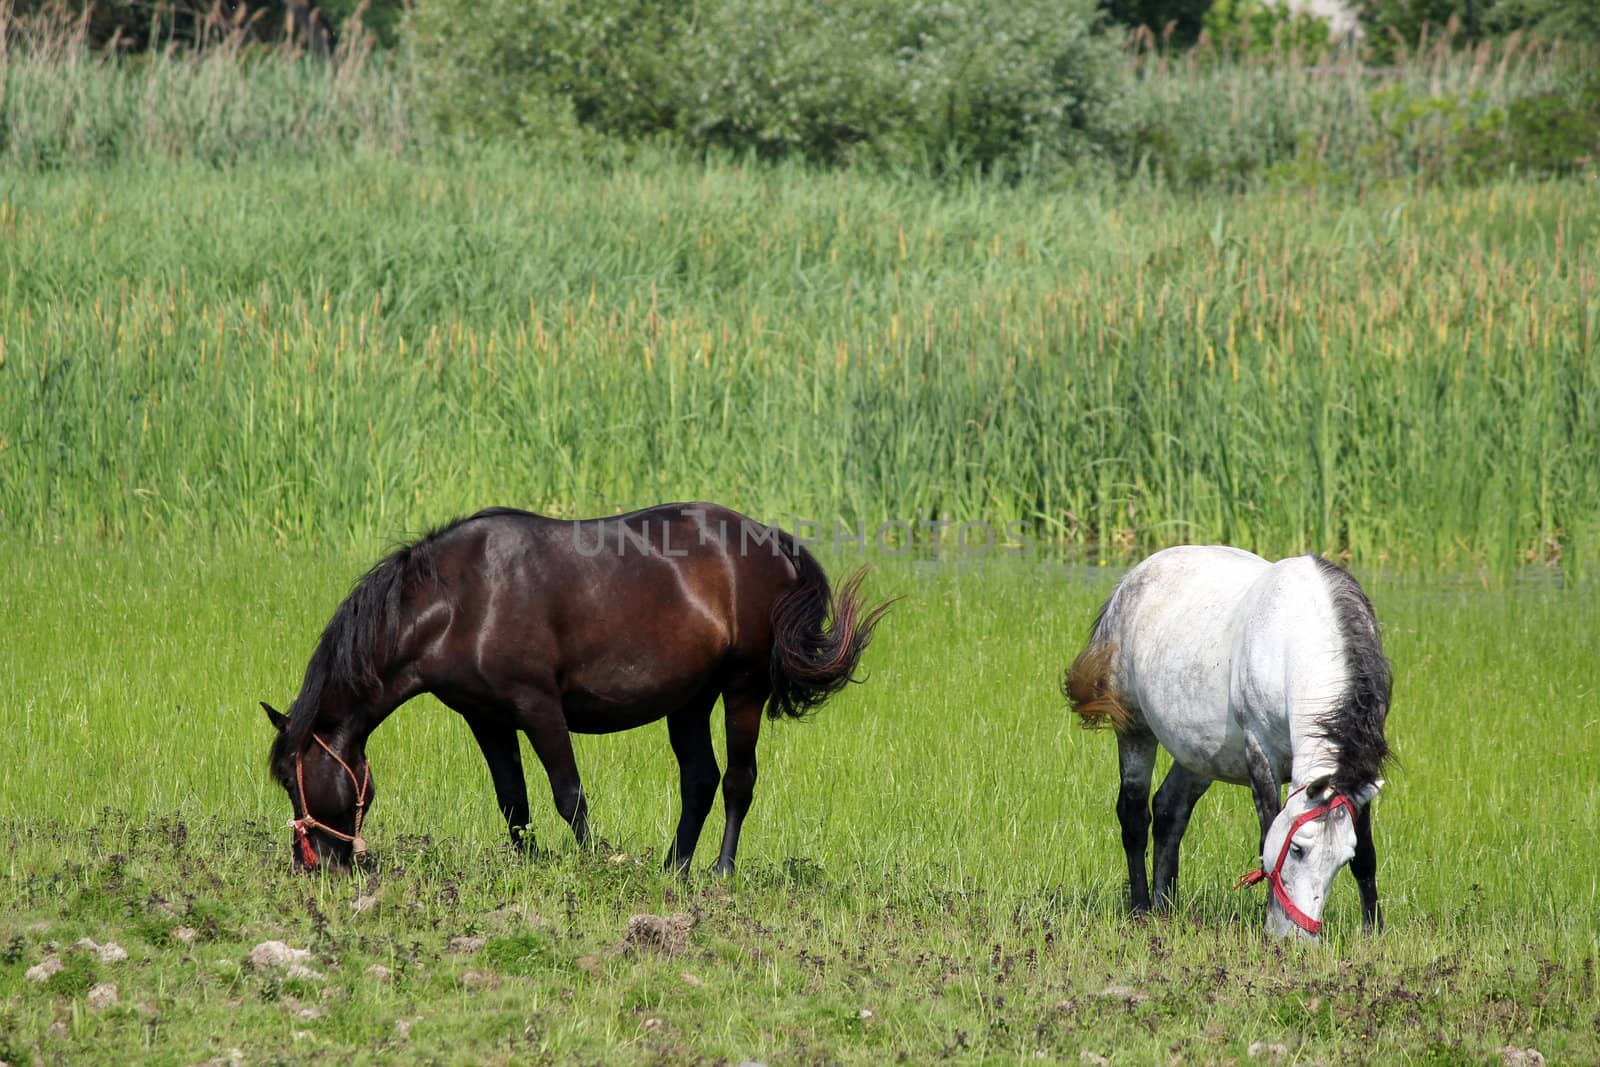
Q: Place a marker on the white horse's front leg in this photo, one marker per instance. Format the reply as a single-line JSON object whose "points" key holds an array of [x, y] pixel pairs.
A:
{"points": [[1265, 785], [1364, 865]]}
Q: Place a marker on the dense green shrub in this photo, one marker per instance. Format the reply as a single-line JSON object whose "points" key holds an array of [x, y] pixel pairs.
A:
{"points": [[1466, 137], [546, 69], [1443, 115], [1257, 26], [381, 18], [921, 86], [1575, 20], [1548, 133], [1394, 27], [899, 83], [1171, 21]]}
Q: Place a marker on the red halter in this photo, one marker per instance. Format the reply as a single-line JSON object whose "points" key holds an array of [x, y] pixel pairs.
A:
{"points": [[1275, 876], [306, 823]]}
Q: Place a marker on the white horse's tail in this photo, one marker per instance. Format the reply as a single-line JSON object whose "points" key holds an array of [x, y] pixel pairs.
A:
{"points": [[1092, 689]]}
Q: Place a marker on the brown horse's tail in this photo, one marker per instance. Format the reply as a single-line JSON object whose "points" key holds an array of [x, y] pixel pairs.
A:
{"points": [[812, 660], [1090, 687]]}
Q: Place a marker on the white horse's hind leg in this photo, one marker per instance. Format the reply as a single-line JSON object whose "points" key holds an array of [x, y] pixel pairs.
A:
{"points": [[1136, 762], [1175, 802]]}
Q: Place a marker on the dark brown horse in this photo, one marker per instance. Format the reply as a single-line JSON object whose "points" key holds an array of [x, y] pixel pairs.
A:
{"points": [[520, 622]]}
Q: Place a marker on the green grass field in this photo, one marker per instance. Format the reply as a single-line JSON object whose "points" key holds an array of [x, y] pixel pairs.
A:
{"points": [[931, 870]]}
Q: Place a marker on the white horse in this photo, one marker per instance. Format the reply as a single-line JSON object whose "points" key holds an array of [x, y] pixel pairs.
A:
{"points": [[1254, 673]]}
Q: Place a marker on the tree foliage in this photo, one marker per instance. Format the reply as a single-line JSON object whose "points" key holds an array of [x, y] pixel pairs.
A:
{"points": [[1406, 23], [901, 82], [1183, 18]]}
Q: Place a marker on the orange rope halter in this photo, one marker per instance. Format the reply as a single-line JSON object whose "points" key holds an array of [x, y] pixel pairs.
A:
{"points": [[307, 822]]}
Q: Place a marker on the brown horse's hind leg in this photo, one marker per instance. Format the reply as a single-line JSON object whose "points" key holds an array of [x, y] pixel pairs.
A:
{"points": [[689, 729], [742, 710]]}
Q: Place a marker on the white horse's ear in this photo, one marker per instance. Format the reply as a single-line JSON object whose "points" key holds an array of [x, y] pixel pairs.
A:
{"points": [[1366, 793]]}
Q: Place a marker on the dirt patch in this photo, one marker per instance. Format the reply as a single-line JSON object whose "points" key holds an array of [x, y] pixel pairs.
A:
{"points": [[110, 952], [42, 971], [270, 954], [666, 934]]}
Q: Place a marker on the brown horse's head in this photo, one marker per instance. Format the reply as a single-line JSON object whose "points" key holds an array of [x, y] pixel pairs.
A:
{"points": [[329, 791]]}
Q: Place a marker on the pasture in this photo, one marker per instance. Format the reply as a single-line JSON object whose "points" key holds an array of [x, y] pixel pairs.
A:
{"points": [[931, 867], [223, 392]]}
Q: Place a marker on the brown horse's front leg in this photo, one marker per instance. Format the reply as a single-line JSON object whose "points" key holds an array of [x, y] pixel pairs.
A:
{"points": [[504, 757], [743, 715], [546, 727]]}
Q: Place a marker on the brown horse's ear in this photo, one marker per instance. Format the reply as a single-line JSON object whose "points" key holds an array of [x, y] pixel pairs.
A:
{"points": [[278, 719]]}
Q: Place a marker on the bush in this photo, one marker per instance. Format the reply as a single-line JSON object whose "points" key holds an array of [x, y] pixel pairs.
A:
{"points": [[1575, 20], [896, 83], [1397, 26], [1465, 137], [1183, 18], [1259, 27], [1549, 133], [1441, 115], [1394, 27]]}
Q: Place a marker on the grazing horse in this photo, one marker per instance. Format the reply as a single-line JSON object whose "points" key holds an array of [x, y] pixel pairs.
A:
{"points": [[520, 622], [1254, 673]]}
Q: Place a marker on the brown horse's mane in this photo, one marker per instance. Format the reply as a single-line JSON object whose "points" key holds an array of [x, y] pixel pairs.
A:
{"points": [[348, 653]]}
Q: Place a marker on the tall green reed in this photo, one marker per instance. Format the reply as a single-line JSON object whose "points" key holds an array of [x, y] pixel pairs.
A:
{"points": [[1210, 117], [1406, 380], [64, 103]]}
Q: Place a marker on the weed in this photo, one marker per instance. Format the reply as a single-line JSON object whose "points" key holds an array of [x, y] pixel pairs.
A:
{"points": [[77, 974], [520, 953]]}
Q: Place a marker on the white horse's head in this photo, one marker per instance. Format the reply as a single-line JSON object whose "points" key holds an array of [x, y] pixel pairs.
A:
{"points": [[1310, 840]]}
